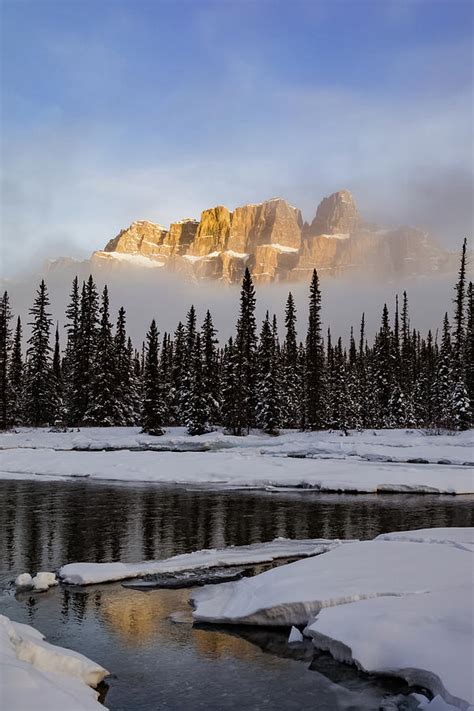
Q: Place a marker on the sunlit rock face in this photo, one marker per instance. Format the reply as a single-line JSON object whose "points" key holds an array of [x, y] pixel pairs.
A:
{"points": [[271, 239]]}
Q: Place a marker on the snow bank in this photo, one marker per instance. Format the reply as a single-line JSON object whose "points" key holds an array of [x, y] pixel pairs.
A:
{"points": [[458, 537], [426, 639], [292, 594], [401, 604], [32, 669], [254, 554], [40, 583], [244, 467]]}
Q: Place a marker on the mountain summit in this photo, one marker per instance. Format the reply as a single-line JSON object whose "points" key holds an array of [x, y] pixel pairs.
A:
{"points": [[272, 240]]}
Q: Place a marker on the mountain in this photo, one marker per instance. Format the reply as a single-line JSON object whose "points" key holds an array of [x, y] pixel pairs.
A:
{"points": [[272, 240]]}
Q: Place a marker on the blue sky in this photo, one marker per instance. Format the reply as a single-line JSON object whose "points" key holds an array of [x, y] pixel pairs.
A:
{"points": [[115, 110]]}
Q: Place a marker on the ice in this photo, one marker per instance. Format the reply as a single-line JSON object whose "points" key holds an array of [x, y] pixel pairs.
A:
{"points": [[401, 605], [91, 573], [370, 462], [295, 635], [31, 670]]}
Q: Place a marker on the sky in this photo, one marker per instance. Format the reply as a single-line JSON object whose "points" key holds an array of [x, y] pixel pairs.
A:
{"points": [[117, 110]]}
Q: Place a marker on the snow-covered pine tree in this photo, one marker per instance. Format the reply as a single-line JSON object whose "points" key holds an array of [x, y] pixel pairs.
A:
{"points": [[444, 378], [16, 377], [166, 374], [314, 374], [153, 406], [302, 387], [124, 385], [245, 361], [291, 374], [58, 414], [268, 414], [229, 416], [198, 407], [103, 408], [78, 394], [38, 410], [189, 342], [469, 349], [210, 368], [459, 315], [383, 370], [5, 346], [178, 375]]}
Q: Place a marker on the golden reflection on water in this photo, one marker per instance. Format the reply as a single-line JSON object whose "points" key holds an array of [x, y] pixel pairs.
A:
{"points": [[142, 618]]}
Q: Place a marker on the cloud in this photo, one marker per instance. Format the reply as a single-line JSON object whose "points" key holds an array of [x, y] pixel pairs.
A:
{"points": [[72, 183]]}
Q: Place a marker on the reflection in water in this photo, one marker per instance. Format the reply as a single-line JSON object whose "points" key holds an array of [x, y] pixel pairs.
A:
{"points": [[157, 663]]}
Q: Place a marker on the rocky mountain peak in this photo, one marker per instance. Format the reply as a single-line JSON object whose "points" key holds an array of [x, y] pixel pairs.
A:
{"points": [[271, 239], [336, 214]]}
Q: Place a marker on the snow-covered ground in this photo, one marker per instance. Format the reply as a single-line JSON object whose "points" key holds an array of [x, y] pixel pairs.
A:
{"points": [[253, 554], [37, 675], [369, 461], [401, 604]]}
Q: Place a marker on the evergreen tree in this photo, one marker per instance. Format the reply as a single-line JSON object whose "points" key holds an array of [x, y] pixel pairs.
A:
{"points": [[57, 391], [152, 411], [210, 368], [383, 370], [229, 416], [245, 365], [268, 413], [123, 365], [38, 375], [198, 414], [78, 400], [5, 345], [459, 316], [103, 408], [314, 360], [178, 375], [469, 349], [291, 373], [16, 377]]}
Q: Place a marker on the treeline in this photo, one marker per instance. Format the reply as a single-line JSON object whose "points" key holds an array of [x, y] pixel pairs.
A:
{"points": [[401, 379]]}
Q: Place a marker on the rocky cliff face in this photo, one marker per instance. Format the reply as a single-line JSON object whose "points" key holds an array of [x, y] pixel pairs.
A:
{"points": [[271, 239]]}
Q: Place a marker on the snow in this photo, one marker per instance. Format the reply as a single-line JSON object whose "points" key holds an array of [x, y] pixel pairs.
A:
{"points": [[370, 462], [192, 258], [281, 247], [401, 604], [24, 580], [137, 260], [237, 255], [91, 573], [337, 235], [426, 639], [32, 669], [295, 636]]}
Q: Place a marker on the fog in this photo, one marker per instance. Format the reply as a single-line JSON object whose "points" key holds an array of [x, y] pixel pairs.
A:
{"points": [[147, 294]]}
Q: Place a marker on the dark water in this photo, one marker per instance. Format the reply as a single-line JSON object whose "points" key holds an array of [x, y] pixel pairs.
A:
{"points": [[157, 663]]}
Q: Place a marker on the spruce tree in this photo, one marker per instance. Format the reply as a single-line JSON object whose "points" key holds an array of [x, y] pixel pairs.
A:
{"points": [[78, 400], [459, 315], [245, 364], [103, 408], [179, 367], [291, 374], [152, 409], [124, 384], [229, 414], [469, 349], [16, 377], [38, 405], [268, 415], [5, 345], [198, 412], [210, 368], [314, 360]]}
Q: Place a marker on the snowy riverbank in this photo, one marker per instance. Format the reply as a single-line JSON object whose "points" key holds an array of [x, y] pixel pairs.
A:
{"points": [[369, 461], [35, 674]]}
